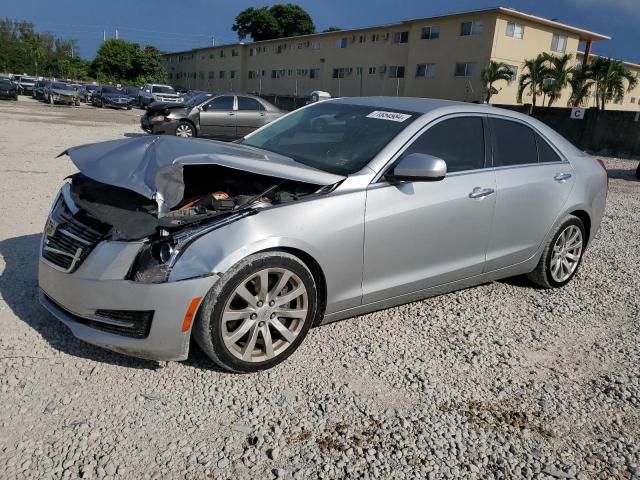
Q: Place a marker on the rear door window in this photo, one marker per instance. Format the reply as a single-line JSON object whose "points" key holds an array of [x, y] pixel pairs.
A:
{"points": [[513, 143], [458, 141], [246, 103], [545, 152]]}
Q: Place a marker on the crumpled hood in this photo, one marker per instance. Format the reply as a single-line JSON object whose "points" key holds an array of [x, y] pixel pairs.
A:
{"points": [[153, 165]]}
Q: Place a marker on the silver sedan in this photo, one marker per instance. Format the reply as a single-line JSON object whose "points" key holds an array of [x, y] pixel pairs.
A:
{"points": [[334, 210]]}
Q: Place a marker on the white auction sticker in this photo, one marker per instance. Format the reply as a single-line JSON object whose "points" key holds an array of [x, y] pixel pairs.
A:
{"points": [[393, 116]]}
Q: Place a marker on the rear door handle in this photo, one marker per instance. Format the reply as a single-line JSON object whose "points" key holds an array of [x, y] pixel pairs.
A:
{"points": [[480, 192], [562, 177]]}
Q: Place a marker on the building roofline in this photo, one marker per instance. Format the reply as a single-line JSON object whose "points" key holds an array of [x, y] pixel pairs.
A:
{"points": [[584, 34], [628, 64]]}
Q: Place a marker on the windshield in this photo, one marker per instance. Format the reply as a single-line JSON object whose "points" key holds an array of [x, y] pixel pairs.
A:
{"points": [[5, 83], [132, 90], [162, 89], [62, 86], [197, 99], [334, 137], [111, 90], [92, 88], [27, 80]]}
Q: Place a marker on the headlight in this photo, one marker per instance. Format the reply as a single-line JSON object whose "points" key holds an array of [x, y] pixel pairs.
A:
{"points": [[157, 258], [159, 118]]}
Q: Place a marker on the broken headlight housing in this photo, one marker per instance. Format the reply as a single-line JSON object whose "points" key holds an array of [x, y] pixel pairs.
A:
{"points": [[156, 258]]}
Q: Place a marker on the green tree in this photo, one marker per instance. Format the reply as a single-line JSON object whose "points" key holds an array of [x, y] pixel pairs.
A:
{"points": [[580, 82], [277, 21], [534, 73], [610, 77], [114, 60], [331, 29], [492, 73], [558, 77]]}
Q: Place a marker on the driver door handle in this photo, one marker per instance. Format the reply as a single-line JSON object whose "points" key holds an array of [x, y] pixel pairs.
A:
{"points": [[562, 177], [480, 192]]}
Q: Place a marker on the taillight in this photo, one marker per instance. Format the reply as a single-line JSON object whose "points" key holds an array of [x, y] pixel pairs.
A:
{"points": [[603, 165]]}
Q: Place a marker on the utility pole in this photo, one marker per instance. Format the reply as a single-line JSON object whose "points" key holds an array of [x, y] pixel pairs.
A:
{"points": [[116, 34], [104, 35], [213, 41]]}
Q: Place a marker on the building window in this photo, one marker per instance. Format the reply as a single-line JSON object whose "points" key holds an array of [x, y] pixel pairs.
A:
{"points": [[171, 77], [253, 74], [221, 75], [211, 75], [427, 70], [314, 73], [618, 101], [396, 72], [232, 74], [277, 73], [559, 43], [515, 30], [201, 75], [372, 70], [359, 71], [202, 56], [338, 73], [465, 69], [362, 38], [514, 71], [430, 33], [471, 28], [253, 52], [401, 37], [342, 42], [221, 53], [234, 52], [316, 45], [633, 99], [290, 73], [375, 37]]}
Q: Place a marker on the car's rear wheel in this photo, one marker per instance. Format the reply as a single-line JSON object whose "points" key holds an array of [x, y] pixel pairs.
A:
{"points": [[562, 255], [185, 129], [258, 313]]}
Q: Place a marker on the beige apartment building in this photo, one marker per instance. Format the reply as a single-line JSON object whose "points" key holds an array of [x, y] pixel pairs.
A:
{"points": [[438, 57]]}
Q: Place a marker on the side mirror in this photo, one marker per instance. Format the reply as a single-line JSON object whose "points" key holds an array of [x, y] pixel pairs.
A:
{"points": [[420, 167]]}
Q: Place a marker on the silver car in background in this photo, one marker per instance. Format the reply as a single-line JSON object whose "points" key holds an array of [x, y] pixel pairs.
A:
{"points": [[334, 210]]}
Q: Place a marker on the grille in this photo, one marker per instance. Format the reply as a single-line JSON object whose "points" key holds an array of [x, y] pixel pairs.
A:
{"points": [[69, 238]]}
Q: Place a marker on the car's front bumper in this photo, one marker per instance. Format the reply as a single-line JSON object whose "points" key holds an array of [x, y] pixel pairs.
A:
{"points": [[100, 284], [167, 127], [8, 95]]}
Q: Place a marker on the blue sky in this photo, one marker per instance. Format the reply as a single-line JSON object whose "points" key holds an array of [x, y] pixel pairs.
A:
{"points": [[179, 25]]}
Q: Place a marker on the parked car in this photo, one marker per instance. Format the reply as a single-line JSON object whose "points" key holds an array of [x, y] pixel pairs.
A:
{"points": [[157, 93], [64, 93], [26, 84], [246, 246], [132, 93], [8, 90], [39, 89], [223, 116], [90, 89], [110, 96]]}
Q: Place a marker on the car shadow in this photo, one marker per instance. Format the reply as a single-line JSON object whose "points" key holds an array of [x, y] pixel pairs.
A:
{"points": [[624, 174], [18, 288]]}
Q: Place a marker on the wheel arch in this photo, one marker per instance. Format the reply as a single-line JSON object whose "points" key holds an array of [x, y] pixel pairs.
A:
{"points": [[190, 122], [586, 220]]}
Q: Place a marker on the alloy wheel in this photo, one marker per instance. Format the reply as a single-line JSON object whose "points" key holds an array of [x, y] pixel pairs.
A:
{"points": [[566, 253], [264, 314], [184, 131]]}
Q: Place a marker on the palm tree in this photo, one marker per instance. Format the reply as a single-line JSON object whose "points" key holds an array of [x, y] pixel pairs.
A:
{"points": [[492, 73], [610, 77], [581, 82], [558, 77], [535, 71]]}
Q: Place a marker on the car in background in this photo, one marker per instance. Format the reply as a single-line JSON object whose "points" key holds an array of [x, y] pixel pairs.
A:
{"points": [[132, 93], [225, 116], [26, 85], [110, 96], [243, 247], [62, 93], [153, 92], [39, 89], [8, 90], [90, 89]]}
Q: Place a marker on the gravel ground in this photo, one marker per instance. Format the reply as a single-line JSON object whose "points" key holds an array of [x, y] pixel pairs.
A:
{"points": [[498, 381]]}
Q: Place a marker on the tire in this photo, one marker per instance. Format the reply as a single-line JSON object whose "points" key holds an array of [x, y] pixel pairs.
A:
{"points": [[185, 130], [553, 274], [638, 172], [210, 331], [77, 103]]}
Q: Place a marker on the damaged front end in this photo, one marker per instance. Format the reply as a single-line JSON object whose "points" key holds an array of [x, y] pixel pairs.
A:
{"points": [[165, 200]]}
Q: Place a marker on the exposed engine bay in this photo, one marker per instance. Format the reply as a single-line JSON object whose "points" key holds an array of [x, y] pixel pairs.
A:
{"points": [[210, 191]]}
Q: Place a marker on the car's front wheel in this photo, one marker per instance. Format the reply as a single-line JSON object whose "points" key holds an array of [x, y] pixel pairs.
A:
{"points": [[562, 255], [185, 129], [258, 313]]}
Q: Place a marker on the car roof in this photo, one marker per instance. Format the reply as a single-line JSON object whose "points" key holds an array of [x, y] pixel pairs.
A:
{"points": [[411, 104]]}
